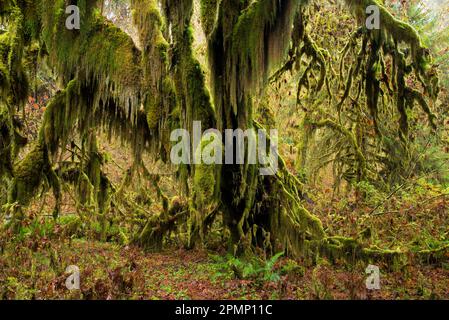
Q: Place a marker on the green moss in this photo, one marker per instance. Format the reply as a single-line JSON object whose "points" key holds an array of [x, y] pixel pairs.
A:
{"points": [[193, 97], [437, 255], [157, 88], [85, 191], [204, 197], [259, 40], [52, 126], [398, 30], [28, 174], [208, 11], [196, 95], [11, 49], [292, 224], [161, 225], [152, 108], [203, 180], [5, 7], [4, 47]]}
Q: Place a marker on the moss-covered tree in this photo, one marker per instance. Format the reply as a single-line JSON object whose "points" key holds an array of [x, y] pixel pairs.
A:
{"points": [[142, 91]]}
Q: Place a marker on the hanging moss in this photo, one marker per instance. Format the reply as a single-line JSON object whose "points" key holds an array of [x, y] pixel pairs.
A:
{"points": [[189, 82], [93, 187], [254, 37], [51, 127], [99, 52], [85, 191], [13, 43], [158, 89], [401, 32]]}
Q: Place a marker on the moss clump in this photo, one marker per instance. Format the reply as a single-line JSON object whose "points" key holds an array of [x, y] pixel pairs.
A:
{"points": [[28, 174], [352, 250]]}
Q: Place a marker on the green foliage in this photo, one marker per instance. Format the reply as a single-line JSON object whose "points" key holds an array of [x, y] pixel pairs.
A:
{"points": [[254, 268]]}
